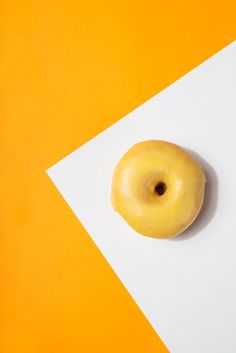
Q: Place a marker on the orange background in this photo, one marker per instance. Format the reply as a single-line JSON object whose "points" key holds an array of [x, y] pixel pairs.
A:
{"points": [[69, 69]]}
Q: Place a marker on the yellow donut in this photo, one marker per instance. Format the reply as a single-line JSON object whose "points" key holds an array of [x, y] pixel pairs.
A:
{"points": [[158, 188]]}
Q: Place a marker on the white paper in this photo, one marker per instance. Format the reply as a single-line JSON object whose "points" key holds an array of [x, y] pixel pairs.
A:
{"points": [[186, 287]]}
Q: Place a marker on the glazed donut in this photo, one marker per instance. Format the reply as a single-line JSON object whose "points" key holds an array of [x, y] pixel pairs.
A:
{"points": [[158, 188]]}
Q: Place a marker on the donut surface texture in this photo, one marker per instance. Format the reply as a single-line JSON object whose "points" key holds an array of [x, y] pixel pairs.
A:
{"points": [[158, 188]]}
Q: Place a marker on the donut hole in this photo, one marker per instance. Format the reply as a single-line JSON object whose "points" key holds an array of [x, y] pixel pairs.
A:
{"points": [[160, 188]]}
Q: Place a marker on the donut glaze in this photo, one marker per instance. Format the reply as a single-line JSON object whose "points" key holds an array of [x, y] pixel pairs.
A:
{"points": [[158, 188]]}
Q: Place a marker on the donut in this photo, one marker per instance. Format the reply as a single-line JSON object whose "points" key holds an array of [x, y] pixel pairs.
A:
{"points": [[158, 188]]}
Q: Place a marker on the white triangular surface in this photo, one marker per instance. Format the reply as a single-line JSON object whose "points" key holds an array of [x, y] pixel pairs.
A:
{"points": [[185, 287]]}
